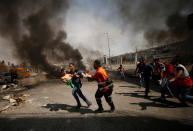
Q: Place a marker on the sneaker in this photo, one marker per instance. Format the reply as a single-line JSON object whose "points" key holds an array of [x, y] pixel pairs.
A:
{"points": [[88, 105]]}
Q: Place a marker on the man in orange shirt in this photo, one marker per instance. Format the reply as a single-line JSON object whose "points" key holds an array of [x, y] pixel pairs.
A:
{"points": [[105, 87]]}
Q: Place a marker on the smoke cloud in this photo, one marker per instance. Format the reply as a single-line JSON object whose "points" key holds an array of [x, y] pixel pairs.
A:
{"points": [[34, 27], [161, 21]]}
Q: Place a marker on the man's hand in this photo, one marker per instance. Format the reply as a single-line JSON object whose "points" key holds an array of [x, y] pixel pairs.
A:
{"points": [[137, 74], [88, 76], [172, 80], [159, 82]]}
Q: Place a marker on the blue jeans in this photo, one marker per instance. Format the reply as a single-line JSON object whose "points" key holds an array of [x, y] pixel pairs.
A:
{"points": [[76, 90], [183, 94], [122, 75], [165, 86]]}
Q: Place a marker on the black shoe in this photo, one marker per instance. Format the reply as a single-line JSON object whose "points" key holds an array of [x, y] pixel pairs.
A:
{"points": [[184, 105], [146, 96], [78, 107], [112, 109], [162, 99], [99, 110], [170, 96]]}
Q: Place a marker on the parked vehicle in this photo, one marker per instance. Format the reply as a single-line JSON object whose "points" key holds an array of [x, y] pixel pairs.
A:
{"points": [[20, 72], [5, 78]]}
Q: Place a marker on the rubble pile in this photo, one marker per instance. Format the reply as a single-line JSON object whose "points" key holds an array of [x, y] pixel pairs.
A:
{"points": [[14, 100], [8, 86]]}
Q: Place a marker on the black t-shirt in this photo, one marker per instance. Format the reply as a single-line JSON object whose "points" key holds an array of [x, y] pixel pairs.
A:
{"points": [[140, 67], [148, 71], [76, 80]]}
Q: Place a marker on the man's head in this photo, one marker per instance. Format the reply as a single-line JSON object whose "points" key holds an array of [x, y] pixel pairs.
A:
{"points": [[156, 61], [142, 60], [71, 66], [120, 65], [176, 60], [97, 64]]}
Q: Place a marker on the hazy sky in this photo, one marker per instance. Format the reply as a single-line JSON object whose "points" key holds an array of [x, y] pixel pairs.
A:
{"points": [[88, 20], [85, 23], [126, 21]]}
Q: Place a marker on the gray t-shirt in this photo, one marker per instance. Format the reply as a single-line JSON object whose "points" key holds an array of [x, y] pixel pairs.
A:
{"points": [[181, 67]]}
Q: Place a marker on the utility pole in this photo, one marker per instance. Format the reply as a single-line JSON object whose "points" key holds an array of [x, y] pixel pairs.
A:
{"points": [[136, 57], [108, 47], [121, 60]]}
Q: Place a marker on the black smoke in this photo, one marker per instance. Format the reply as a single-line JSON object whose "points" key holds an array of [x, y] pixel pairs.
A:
{"points": [[162, 21], [35, 28], [177, 31]]}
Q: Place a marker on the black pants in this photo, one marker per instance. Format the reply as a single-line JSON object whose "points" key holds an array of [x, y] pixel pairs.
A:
{"points": [[147, 84], [107, 96]]}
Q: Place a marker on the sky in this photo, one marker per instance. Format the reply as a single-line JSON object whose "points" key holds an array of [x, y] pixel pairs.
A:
{"points": [[88, 21]]}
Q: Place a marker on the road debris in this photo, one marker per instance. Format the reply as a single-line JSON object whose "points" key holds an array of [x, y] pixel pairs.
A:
{"points": [[4, 87], [14, 100], [9, 86]]}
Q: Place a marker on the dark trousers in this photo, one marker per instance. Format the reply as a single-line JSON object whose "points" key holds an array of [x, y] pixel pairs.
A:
{"points": [[141, 78], [147, 84], [107, 96], [76, 90]]}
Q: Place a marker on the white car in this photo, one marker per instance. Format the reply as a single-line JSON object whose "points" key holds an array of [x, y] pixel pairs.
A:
{"points": [[5, 78]]}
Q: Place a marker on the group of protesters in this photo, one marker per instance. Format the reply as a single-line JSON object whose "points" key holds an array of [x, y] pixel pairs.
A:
{"points": [[105, 85], [172, 77]]}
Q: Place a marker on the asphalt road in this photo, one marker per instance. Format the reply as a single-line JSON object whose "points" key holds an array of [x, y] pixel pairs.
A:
{"points": [[51, 106]]}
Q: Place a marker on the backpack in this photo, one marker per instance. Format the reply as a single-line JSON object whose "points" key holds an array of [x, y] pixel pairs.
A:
{"points": [[169, 68]]}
